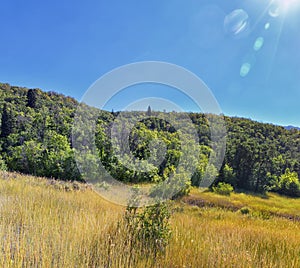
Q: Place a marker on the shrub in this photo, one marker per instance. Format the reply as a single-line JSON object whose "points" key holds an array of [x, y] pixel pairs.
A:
{"points": [[223, 188], [289, 184], [174, 187], [2, 164], [262, 214], [245, 210], [148, 228]]}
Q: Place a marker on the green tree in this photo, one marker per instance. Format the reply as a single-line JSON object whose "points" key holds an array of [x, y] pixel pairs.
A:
{"points": [[289, 183], [227, 175], [31, 98], [7, 121], [3, 165], [27, 158], [149, 111], [58, 157]]}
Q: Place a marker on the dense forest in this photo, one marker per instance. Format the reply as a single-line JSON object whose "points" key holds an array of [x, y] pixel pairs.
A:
{"points": [[36, 138]]}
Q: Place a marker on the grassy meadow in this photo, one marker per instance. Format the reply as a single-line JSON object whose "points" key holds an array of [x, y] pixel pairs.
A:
{"points": [[46, 223]]}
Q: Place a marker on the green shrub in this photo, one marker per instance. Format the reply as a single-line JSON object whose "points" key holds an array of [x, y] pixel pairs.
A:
{"points": [[223, 188], [148, 228], [173, 188], [3, 165], [245, 210], [289, 184], [262, 214]]}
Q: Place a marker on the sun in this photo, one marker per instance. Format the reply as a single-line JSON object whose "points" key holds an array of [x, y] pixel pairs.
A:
{"points": [[286, 4], [277, 7]]}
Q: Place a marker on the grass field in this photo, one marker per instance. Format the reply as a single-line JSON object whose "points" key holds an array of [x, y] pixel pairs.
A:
{"points": [[53, 224]]}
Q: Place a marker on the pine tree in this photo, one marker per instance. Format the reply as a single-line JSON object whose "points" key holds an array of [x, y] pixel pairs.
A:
{"points": [[149, 111], [6, 122], [31, 98]]}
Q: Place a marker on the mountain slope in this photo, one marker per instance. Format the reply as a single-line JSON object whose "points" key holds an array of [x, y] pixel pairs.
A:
{"points": [[36, 139]]}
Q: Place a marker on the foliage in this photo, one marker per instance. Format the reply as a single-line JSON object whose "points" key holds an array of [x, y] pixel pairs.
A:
{"points": [[289, 184], [35, 132], [148, 228], [36, 139], [3, 166], [228, 175], [7, 121], [31, 98], [245, 210], [174, 187], [223, 188]]}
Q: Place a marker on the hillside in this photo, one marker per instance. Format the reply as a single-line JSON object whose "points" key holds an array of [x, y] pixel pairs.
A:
{"points": [[291, 127], [47, 223], [36, 139]]}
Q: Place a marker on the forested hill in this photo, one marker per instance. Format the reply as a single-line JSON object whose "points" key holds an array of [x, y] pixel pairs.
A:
{"points": [[36, 139]]}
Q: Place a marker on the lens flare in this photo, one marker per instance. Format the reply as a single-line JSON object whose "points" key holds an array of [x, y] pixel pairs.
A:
{"points": [[277, 6], [288, 3], [274, 10], [267, 25], [236, 22], [245, 69], [258, 44]]}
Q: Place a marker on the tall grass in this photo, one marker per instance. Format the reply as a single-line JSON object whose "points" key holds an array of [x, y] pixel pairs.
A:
{"points": [[44, 224], [273, 203]]}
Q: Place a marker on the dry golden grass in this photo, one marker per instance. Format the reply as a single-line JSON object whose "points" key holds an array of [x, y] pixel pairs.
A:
{"points": [[273, 203], [45, 224]]}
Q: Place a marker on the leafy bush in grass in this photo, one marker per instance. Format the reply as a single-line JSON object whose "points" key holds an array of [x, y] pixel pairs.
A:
{"points": [[148, 228], [223, 188], [245, 210]]}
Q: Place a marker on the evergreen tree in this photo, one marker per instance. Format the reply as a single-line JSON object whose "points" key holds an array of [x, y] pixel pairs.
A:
{"points": [[149, 111], [6, 122], [31, 98]]}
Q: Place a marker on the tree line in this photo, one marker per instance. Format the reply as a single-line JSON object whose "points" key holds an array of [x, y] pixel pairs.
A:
{"points": [[36, 138]]}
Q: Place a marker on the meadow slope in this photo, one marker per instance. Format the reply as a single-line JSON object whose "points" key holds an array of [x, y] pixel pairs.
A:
{"points": [[47, 223]]}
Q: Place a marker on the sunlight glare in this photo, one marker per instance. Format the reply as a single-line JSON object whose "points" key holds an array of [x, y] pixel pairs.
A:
{"points": [[278, 7], [286, 4]]}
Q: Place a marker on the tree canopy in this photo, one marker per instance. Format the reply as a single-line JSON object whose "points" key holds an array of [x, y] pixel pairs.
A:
{"points": [[36, 139]]}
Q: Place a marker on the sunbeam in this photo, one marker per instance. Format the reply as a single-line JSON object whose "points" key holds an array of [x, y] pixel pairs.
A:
{"points": [[275, 47]]}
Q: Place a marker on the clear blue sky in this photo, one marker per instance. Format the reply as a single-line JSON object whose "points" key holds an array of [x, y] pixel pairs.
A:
{"points": [[66, 45]]}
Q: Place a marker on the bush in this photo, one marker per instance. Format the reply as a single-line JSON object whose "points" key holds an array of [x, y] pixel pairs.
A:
{"points": [[2, 164], [245, 210], [262, 214], [148, 228], [173, 188], [289, 184], [223, 188]]}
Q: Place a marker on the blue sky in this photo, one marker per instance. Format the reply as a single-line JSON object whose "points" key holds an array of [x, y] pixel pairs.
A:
{"points": [[66, 45]]}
